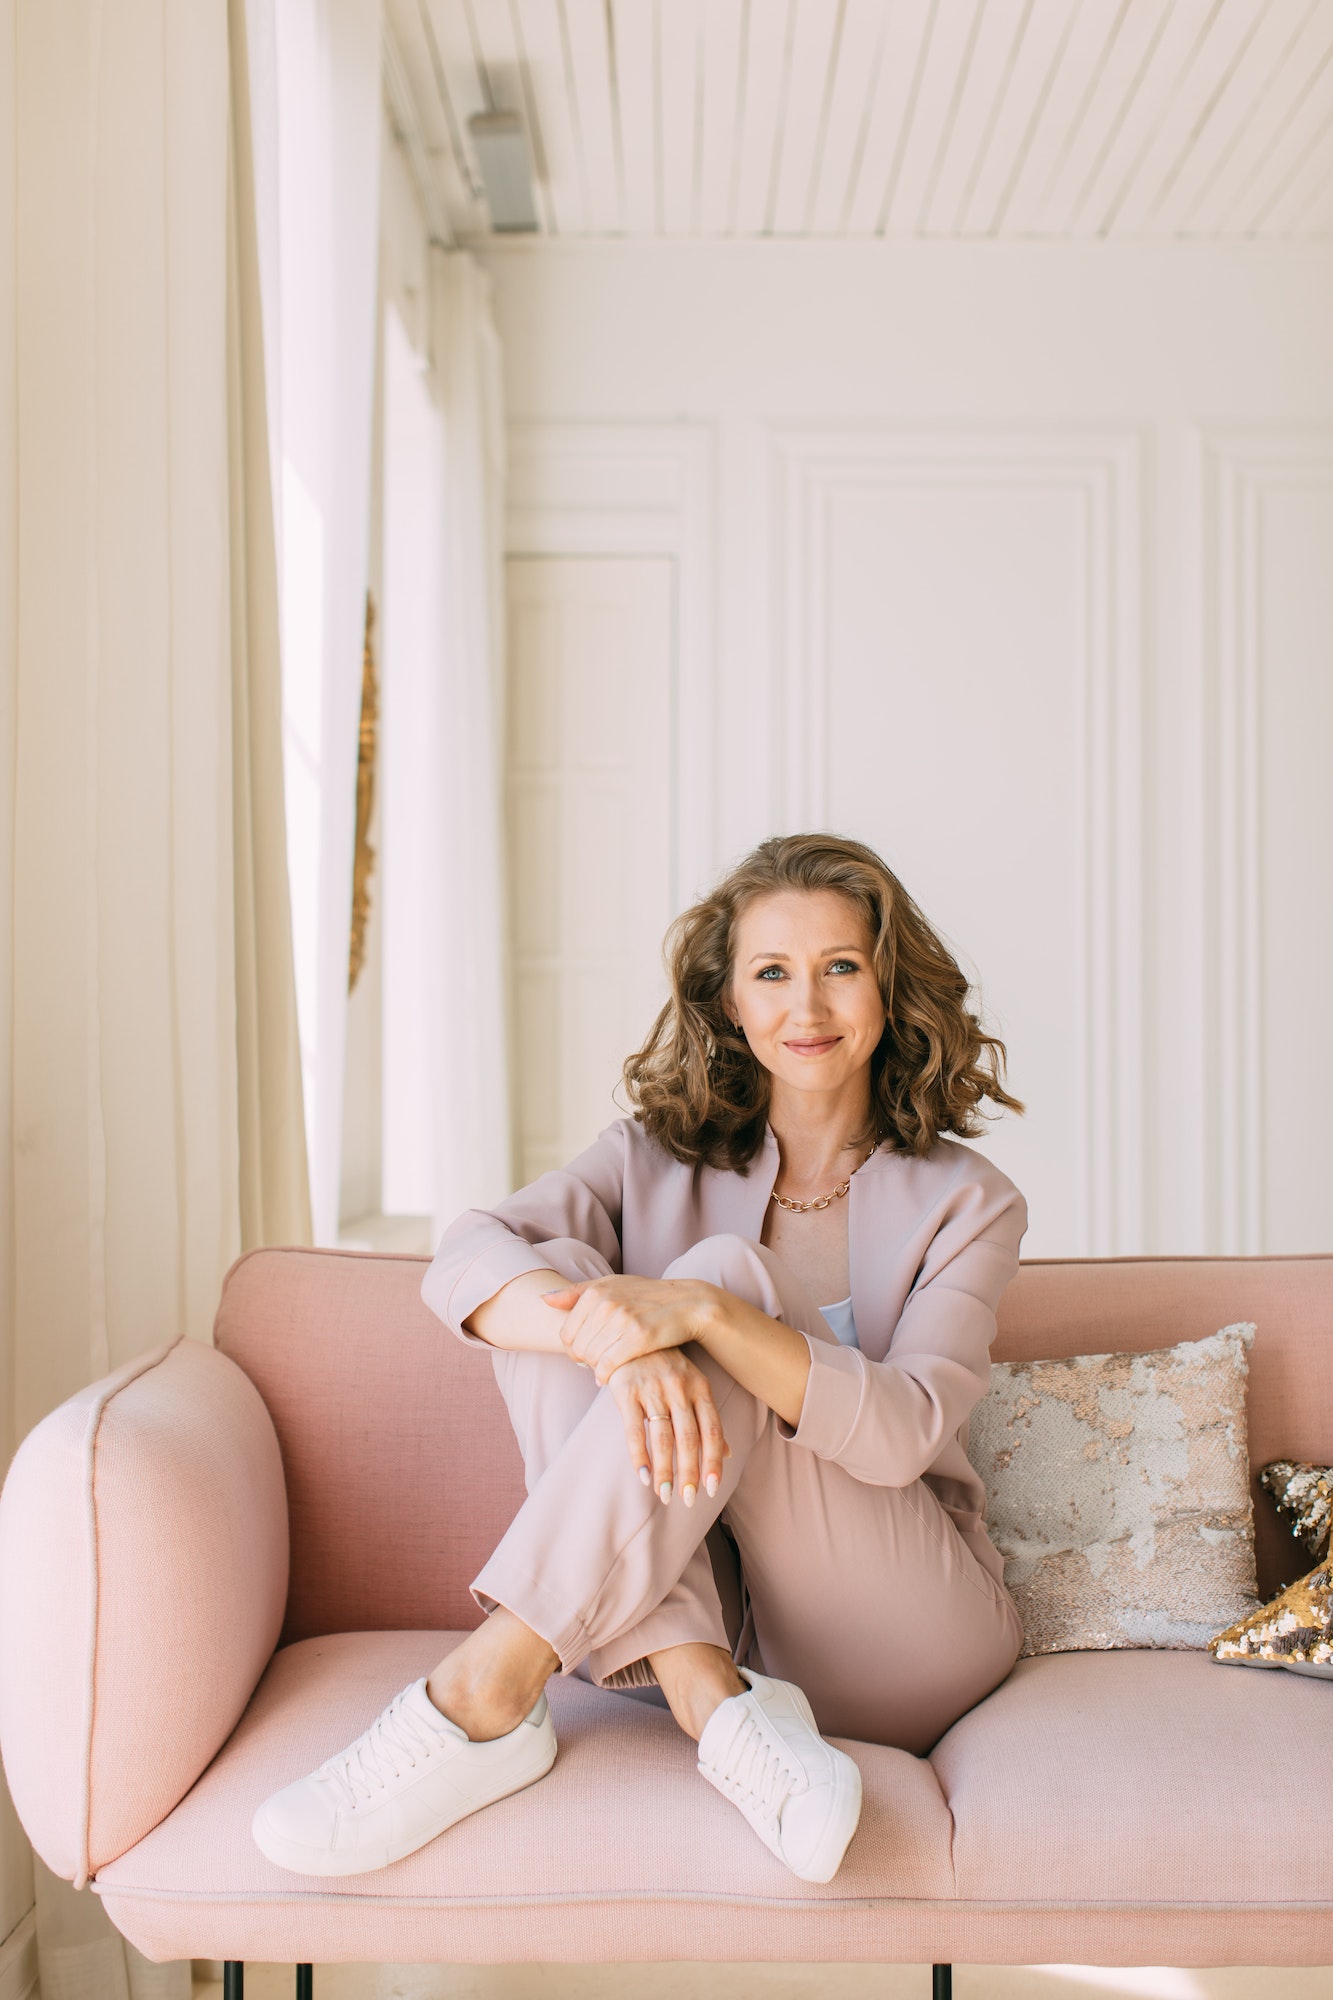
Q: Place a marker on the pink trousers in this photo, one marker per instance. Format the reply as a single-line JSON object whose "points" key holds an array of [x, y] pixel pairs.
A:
{"points": [[868, 1597]]}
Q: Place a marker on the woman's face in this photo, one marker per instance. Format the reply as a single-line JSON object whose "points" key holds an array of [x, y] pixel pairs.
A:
{"points": [[803, 987]]}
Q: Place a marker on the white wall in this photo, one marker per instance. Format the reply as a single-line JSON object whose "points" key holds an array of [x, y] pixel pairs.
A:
{"points": [[1013, 560]]}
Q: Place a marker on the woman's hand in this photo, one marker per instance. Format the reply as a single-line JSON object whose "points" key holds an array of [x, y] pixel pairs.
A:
{"points": [[671, 1423], [611, 1321]]}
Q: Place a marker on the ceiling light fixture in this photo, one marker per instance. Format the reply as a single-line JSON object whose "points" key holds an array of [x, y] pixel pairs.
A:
{"points": [[506, 169]]}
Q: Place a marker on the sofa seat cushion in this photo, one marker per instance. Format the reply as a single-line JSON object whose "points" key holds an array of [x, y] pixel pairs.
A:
{"points": [[622, 1852], [1141, 1777], [1107, 1809]]}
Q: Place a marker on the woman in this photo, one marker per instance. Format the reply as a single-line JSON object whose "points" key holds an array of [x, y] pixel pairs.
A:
{"points": [[768, 1300]]}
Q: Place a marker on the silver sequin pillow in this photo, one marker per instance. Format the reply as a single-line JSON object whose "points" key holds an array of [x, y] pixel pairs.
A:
{"points": [[1118, 1493]]}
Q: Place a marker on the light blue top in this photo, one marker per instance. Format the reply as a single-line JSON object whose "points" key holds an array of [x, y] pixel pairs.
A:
{"points": [[839, 1317]]}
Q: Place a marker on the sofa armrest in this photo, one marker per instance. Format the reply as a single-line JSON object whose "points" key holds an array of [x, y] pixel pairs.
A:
{"points": [[143, 1577]]}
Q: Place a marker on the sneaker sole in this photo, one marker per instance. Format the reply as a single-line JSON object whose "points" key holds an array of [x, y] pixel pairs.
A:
{"points": [[299, 1860]]}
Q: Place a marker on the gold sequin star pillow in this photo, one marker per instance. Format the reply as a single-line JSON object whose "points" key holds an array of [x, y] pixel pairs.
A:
{"points": [[1304, 1494], [1296, 1629], [1118, 1493]]}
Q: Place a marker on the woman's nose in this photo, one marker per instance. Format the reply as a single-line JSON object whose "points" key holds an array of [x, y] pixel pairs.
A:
{"points": [[808, 1003]]}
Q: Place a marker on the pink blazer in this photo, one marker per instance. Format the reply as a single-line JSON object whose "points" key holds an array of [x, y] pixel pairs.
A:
{"points": [[932, 1244]]}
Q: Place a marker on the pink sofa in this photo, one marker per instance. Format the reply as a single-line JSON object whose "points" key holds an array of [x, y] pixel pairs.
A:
{"points": [[217, 1566]]}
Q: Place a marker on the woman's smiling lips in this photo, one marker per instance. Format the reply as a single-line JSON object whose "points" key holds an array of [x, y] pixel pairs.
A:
{"points": [[814, 1048]]}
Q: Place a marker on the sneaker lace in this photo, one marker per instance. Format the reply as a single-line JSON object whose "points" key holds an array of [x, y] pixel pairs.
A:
{"points": [[394, 1739], [757, 1765]]}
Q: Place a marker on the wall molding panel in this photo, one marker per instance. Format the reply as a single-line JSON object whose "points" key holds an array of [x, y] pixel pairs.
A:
{"points": [[630, 489], [1100, 473], [1237, 476]]}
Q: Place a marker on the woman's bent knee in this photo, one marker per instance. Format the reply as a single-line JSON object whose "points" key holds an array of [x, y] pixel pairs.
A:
{"points": [[719, 1258], [749, 1271]]}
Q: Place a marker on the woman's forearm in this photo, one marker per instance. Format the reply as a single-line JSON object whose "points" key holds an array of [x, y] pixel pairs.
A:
{"points": [[517, 1317], [765, 1356]]}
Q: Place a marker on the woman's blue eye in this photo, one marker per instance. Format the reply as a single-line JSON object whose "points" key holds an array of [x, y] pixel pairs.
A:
{"points": [[764, 972]]}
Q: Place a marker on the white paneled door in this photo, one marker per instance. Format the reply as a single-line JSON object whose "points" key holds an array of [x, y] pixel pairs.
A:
{"points": [[962, 674], [591, 643]]}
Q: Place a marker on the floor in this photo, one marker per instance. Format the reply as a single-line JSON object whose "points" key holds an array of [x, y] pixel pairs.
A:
{"points": [[773, 1982]]}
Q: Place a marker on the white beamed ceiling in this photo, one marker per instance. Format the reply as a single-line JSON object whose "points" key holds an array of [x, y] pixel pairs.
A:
{"points": [[898, 118]]}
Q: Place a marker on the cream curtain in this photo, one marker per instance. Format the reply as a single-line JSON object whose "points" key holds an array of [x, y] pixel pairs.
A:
{"points": [[156, 1112], [446, 1106], [317, 100], [274, 1187]]}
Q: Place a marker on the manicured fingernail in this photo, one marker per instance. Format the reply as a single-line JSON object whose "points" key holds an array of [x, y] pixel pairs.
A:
{"points": [[664, 1491], [711, 1484], [645, 1475], [687, 1495]]}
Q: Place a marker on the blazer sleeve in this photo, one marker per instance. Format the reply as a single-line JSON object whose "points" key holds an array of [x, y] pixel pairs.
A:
{"points": [[485, 1248], [887, 1422]]}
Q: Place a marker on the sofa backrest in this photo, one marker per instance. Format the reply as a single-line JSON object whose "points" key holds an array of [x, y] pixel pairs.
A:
{"points": [[402, 1471]]}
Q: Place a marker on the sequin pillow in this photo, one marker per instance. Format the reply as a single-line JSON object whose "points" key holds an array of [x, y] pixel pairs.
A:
{"points": [[1304, 1494], [1294, 1631], [1118, 1494]]}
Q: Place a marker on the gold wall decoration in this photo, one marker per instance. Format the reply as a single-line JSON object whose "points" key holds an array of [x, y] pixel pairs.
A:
{"points": [[364, 860]]}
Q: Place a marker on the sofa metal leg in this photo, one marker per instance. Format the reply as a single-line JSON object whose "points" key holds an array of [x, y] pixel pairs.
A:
{"points": [[233, 1979], [941, 1982], [305, 1982]]}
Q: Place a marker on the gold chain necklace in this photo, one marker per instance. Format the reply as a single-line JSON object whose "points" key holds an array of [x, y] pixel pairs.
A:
{"points": [[825, 1200]]}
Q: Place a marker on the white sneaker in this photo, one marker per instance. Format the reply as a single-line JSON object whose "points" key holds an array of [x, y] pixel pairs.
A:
{"points": [[802, 1797], [406, 1778]]}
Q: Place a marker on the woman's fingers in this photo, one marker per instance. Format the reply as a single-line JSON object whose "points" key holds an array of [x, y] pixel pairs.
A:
{"points": [[605, 1328], [713, 1446], [686, 1437], [672, 1426], [575, 1321], [562, 1297], [588, 1332], [605, 1345], [661, 1448], [613, 1353]]}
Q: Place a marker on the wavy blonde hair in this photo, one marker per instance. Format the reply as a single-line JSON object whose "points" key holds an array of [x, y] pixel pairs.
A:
{"points": [[698, 1090]]}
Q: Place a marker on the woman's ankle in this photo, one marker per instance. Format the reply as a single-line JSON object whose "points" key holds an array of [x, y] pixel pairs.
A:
{"points": [[481, 1714], [695, 1679], [489, 1683]]}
